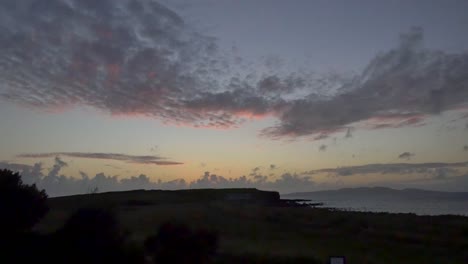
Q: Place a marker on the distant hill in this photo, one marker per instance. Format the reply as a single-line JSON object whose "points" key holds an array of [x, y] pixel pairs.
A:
{"points": [[379, 192]]}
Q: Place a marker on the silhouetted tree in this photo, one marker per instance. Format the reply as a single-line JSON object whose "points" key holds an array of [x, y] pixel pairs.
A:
{"points": [[177, 243], [21, 205]]}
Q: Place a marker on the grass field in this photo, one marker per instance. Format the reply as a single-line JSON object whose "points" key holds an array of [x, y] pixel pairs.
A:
{"points": [[265, 233]]}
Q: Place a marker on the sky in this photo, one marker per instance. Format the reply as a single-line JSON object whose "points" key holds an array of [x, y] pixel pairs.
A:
{"points": [[281, 95]]}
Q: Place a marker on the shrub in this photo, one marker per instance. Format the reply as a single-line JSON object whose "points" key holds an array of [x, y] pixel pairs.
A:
{"points": [[93, 236], [177, 243]]}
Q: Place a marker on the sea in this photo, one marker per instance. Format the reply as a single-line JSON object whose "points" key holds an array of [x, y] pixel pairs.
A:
{"points": [[453, 206]]}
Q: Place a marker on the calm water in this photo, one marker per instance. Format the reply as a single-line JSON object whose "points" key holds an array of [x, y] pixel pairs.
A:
{"points": [[419, 207]]}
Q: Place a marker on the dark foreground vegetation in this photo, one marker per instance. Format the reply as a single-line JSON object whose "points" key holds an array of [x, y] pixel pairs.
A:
{"points": [[212, 226]]}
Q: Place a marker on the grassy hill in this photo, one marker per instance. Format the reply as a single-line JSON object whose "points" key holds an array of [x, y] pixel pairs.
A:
{"points": [[254, 227]]}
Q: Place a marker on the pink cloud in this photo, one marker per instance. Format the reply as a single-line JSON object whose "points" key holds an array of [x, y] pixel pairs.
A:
{"points": [[395, 121]]}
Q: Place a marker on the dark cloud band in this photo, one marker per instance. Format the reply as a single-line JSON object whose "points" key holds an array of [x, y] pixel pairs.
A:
{"points": [[104, 156], [395, 168]]}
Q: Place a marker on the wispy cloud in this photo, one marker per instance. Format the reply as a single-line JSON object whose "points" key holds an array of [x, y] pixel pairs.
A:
{"points": [[156, 160], [406, 155]]}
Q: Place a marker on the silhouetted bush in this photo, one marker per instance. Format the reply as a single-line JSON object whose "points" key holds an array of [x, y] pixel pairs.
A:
{"points": [[94, 236], [139, 203], [25, 247], [21, 205], [264, 259], [177, 243]]}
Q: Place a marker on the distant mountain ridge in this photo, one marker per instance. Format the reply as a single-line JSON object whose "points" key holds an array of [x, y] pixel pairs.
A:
{"points": [[381, 192]]}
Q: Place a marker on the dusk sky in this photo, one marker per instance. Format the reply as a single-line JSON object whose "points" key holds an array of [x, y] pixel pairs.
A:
{"points": [[296, 95]]}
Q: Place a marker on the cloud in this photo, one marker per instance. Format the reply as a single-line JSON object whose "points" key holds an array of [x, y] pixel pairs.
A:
{"points": [[274, 85], [113, 166], [444, 173], [434, 175], [59, 164], [322, 136], [125, 57], [57, 184], [137, 57], [349, 132], [287, 182], [398, 88], [214, 181], [154, 148], [156, 160], [392, 168], [406, 155], [255, 172], [395, 121]]}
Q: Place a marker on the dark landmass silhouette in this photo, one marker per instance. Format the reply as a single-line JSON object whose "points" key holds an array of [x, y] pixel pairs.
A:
{"points": [[225, 226]]}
